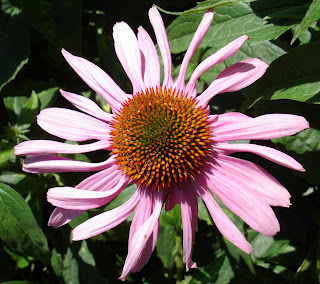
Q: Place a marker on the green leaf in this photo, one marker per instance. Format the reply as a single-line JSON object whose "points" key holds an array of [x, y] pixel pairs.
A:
{"points": [[70, 271], [86, 255], [218, 271], [305, 141], [123, 197], [18, 227], [6, 151], [312, 15], [230, 22], [29, 110], [14, 45], [293, 76], [203, 213], [14, 106], [59, 21], [19, 282], [46, 97], [166, 245], [204, 7], [171, 218], [56, 262]]}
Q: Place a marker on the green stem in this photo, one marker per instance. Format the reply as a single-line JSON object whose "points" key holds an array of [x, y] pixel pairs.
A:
{"points": [[178, 259]]}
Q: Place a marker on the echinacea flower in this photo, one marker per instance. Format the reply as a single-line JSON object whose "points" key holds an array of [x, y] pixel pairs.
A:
{"points": [[163, 138]]}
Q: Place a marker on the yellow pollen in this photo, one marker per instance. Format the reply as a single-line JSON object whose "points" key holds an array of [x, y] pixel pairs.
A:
{"points": [[160, 137]]}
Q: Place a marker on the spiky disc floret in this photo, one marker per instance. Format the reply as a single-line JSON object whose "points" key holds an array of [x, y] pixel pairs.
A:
{"points": [[161, 137]]}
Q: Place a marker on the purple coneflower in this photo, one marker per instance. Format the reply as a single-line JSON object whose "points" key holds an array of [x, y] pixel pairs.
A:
{"points": [[163, 138]]}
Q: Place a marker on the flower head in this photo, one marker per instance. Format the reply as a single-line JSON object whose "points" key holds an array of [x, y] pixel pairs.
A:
{"points": [[163, 138]]}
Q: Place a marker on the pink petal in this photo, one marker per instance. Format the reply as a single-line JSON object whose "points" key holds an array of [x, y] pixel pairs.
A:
{"points": [[141, 237], [263, 127], [197, 38], [103, 180], [39, 164], [263, 151], [255, 177], [189, 215], [214, 59], [223, 223], [38, 147], [162, 39], [87, 106], [143, 212], [72, 125], [60, 217], [128, 52], [79, 199], [107, 220], [243, 201], [97, 79], [234, 78], [151, 61]]}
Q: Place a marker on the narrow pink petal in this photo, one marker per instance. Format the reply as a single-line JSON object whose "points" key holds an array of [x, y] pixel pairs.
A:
{"points": [[72, 125], [142, 214], [87, 106], [171, 201], [162, 39], [79, 199], [141, 237], [97, 79], [60, 217], [189, 215], [255, 177], [39, 147], [128, 52], [197, 38], [263, 151], [223, 223], [107, 220], [151, 68], [103, 180], [244, 202], [39, 164], [234, 78], [263, 127], [221, 55]]}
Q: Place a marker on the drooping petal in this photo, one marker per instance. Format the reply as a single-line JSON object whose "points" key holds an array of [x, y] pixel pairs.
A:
{"points": [[79, 199], [234, 78], [141, 237], [39, 147], [221, 55], [223, 223], [263, 127], [151, 68], [128, 52], [39, 164], [97, 80], [243, 201], [60, 217], [257, 178], [72, 125], [196, 40], [263, 151], [189, 215], [162, 39], [87, 106], [107, 220], [143, 212]]}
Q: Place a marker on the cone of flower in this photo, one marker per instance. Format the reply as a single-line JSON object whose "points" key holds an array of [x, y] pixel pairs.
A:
{"points": [[163, 138]]}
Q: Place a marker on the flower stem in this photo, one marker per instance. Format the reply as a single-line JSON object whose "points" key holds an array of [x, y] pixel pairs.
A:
{"points": [[178, 259]]}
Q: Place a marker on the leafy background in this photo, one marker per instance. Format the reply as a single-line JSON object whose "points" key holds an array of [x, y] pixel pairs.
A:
{"points": [[284, 33]]}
